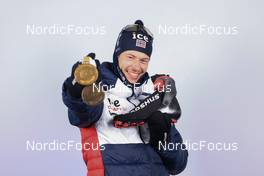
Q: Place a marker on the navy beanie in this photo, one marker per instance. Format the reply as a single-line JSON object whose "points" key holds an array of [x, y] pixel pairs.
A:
{"points": [[134, 40], [139, 40]]}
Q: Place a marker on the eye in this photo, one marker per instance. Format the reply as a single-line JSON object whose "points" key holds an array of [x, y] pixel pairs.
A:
{"points": [[130, 57], [144, 61]]}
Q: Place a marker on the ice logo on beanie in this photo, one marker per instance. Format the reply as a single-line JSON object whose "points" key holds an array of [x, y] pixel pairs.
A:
{"points": [[141, 40], [140, 36]]}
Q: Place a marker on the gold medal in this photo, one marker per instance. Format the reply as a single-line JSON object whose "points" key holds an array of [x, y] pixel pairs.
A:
{"points": [[93, 95], [86, 73]]}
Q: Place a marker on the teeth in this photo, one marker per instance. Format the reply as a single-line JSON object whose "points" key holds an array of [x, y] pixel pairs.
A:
{"points": [[134, 75]]}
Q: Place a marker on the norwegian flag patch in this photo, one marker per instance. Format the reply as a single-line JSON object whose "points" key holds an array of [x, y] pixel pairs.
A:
{"points": [[141, 43]]}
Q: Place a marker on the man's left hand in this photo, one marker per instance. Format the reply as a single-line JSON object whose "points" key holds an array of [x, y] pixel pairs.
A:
{"points": [[159, 127]]}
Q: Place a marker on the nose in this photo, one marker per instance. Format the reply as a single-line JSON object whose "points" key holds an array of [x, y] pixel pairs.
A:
{"points": [[136, 65]]}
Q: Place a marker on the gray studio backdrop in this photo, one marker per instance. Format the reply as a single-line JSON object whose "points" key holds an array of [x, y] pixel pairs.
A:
{"points": [[218, 72]]}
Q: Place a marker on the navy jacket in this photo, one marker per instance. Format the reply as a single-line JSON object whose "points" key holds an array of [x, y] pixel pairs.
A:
{"points": [[122, 150]]}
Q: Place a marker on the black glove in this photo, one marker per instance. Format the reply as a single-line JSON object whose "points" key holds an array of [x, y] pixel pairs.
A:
{"points": [[160, 99], [74, 88], [159, 128], [166, 84]]}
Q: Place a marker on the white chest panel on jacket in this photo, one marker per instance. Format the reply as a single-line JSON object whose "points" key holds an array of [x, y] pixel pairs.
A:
{"points": [[119, 100]]}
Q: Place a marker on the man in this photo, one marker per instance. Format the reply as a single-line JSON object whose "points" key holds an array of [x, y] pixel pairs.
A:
{"points": [[134, 120]]}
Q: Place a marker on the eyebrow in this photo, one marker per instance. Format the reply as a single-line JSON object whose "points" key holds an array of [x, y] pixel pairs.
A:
{"points": [[145, 58], [131, 54]]}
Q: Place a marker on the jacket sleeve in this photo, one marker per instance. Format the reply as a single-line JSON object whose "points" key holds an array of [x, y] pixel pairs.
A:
{"points": [[79, 113], [174, 158]]}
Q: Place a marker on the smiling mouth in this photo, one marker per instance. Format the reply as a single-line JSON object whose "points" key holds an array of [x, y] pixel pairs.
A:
{"points": [[133, 75]]}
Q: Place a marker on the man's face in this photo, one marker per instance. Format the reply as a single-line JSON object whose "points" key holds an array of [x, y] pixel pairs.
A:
{"points": [[133, 64]]}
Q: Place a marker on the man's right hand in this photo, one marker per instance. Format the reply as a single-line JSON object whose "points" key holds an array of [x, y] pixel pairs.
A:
{"points": [[75, 89]]}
